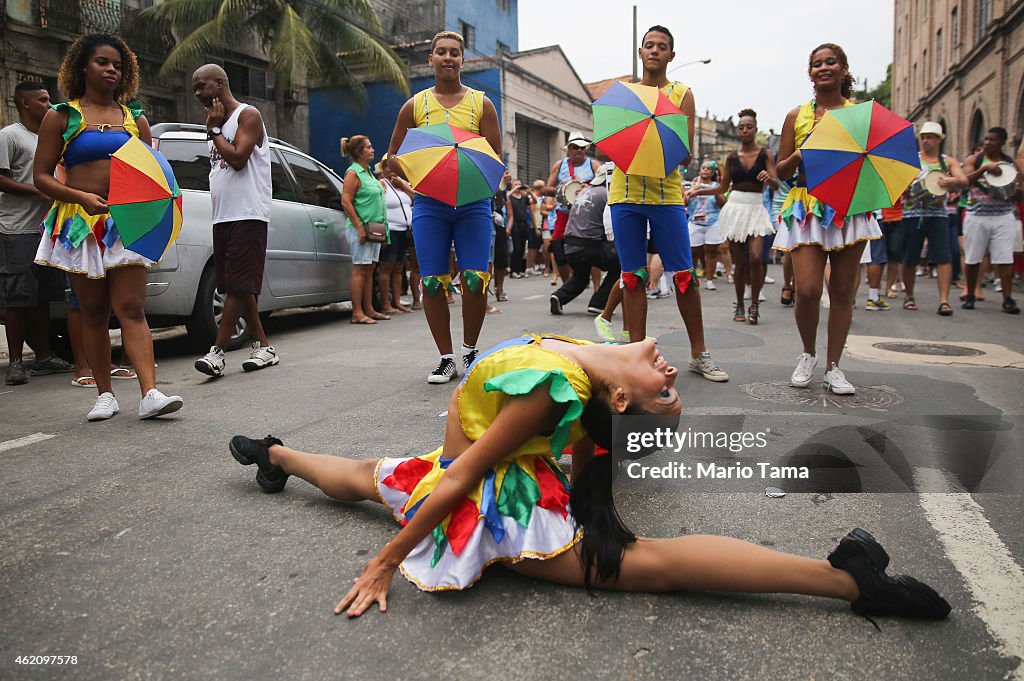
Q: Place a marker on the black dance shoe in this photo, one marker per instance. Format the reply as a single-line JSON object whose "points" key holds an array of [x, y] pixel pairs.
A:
{"points": [[247, 451], [864, 558]]}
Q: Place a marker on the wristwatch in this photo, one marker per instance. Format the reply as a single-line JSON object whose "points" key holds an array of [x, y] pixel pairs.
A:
{"points": [[213, 132]]}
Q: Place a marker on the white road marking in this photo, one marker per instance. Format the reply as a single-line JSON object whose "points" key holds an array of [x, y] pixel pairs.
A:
{"points": [[538, 296], [24, 441], [994, 578]]}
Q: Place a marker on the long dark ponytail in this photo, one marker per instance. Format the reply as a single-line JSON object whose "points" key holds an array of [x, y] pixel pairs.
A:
{"points": [[605, 536]]}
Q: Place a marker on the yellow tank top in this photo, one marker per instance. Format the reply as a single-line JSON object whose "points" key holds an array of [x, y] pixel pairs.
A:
{"points": [[804, 123], [516, 367], [465, 115], [653, 190]]}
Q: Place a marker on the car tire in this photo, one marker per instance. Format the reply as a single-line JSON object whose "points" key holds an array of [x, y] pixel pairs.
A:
{"points": [[202, 325]]}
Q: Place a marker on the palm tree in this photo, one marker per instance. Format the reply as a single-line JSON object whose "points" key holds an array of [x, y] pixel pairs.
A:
{"points": [[333, 43]]}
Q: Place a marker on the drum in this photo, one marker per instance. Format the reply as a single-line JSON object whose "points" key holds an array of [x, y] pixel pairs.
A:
{"points": [[931, 182], [1003, 186], [567, 192]]}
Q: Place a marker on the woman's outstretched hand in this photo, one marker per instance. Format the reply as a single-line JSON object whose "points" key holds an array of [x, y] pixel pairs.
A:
{"points": [[369, 588]]}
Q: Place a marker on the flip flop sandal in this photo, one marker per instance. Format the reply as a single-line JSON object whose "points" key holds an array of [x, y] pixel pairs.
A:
{"points": [[909, 304], [84, 382], [944, 310], [123, 373]]}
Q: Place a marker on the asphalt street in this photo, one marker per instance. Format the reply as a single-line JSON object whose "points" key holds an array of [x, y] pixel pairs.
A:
{"points": [[146, 551]]}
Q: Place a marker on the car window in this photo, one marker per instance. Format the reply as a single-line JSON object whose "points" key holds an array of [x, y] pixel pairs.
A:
{"points": [[190, 161], [316, 187], [280, 184]]}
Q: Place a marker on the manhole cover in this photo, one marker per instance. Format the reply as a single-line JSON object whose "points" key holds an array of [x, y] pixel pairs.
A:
{"points": [[875, 397], [934, 349]]}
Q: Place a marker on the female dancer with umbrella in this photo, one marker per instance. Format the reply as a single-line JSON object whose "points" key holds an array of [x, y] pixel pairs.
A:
{"points": [[436, 225], [744, 220], [814, 234], [494, 493], [100, 77]]}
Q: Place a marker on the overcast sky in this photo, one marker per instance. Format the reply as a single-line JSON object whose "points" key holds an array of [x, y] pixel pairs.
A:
{"points": [[758, 48]]}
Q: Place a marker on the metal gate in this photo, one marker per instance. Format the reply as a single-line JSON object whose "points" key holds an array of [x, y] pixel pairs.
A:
{"points": [[533, 150]]}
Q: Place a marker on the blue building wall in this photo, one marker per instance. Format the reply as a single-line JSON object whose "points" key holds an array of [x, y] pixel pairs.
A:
{"points": [[491, 24], [330, 118]]}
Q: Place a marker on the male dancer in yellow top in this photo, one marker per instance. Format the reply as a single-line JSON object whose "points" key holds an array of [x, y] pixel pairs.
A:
{"points": [[636, 200]]}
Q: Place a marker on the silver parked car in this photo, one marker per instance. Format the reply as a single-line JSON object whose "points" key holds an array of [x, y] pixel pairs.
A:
{"points": [[308, 257]]}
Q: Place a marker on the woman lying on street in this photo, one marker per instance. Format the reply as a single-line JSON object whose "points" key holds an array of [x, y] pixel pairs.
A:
{"points": [[744, 221], [494, 493], [100, 77], [813, 233]]}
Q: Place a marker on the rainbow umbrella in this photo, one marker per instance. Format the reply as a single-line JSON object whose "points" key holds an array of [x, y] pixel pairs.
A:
{"points": [[449, 164], [860, 158], [144, 199], [641, 130]]}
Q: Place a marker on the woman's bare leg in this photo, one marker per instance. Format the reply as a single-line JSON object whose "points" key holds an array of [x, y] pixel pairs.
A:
{"points": [[842, 287], [808, 270], [339, 478], [704, 563]]}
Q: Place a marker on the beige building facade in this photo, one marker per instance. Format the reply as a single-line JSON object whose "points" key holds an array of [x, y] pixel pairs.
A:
{"points": [[543, 101], [961, 63]]}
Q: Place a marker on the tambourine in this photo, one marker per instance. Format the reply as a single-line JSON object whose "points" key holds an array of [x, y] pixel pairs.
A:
{"points": [[567, 192], [1004, 185]]}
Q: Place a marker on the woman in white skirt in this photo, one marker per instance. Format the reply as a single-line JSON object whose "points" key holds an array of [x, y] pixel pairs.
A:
{"points": [[744, 221], [814, 233], [100, 78]]}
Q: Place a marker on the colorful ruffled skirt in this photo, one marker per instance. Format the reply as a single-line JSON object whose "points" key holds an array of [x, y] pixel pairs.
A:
{"points": [[804, 220], [77, 242], [519, 510], [744, 216]]}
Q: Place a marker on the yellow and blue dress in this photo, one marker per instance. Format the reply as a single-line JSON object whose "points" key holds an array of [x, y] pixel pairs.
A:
{"points": [[520, 509]]}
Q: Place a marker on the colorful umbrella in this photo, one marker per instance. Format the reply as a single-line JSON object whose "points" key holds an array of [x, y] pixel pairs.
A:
{"points": [[641, 130], [144, 199], [449, 164], [860, 158]]}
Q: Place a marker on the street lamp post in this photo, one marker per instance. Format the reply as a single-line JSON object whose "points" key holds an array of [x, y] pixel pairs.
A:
{"points": [[689, 63]]}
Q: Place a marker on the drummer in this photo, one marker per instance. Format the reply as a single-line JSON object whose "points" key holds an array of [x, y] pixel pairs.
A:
{"points": [[989, 224], [924, 216], [575, 166]]}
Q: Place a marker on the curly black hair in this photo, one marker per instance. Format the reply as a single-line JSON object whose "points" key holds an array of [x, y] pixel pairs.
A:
{"points": [[846, 87], [71, 77], [747, 112]]}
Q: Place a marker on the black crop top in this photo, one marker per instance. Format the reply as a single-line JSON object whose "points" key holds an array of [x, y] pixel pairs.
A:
{"points": [[744, 180]]}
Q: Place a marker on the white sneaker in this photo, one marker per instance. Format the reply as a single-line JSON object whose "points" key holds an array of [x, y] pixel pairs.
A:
{"points": [[604, 328], [155, 403], [710, 285], [836, 382], [998, 285], [761, 296], [212, 363], [105, 407], [260, 357], [705, 366], [804, 372], [769, 280]]}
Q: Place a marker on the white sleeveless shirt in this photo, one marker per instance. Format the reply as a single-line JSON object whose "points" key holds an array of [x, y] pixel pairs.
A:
{"points": [[240, 194]]}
